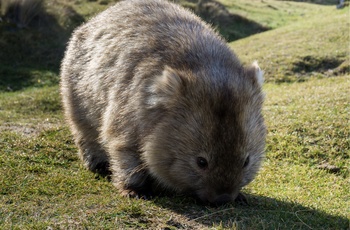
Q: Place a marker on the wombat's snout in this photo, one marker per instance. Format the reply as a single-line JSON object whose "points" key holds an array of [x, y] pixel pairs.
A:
{"points": [[221, 199]]}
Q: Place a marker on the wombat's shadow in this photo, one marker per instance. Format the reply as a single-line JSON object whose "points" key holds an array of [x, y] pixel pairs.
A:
{"points": [[262, 211]]}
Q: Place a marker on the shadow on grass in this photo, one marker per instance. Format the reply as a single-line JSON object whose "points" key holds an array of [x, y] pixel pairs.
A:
{"points": [[309, 64], [320, 2], [230, 26], [261, 212], [31, 53]]}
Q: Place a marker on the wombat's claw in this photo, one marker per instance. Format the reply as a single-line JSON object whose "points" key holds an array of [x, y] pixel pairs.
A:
{"points": [[129, 193], [133, 194], [241, 199]]}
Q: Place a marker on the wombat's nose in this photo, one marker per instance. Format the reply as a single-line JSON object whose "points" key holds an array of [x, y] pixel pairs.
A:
{"points": [[223, 199]]}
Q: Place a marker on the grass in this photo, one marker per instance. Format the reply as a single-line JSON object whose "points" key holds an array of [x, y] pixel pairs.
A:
{"points": [[44, 184], [318, 46], [42, 35], [304, 180], [274, 14]]}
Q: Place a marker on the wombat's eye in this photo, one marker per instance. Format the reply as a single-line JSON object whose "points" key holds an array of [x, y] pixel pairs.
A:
{"points": [[246, 162], [202, 163]]}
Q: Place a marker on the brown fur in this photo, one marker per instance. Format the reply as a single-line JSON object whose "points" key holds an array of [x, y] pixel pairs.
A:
{"points": [[148, 88]]}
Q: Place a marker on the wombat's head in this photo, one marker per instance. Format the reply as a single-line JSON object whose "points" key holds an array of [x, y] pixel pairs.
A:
{"points": [[210, 135]]}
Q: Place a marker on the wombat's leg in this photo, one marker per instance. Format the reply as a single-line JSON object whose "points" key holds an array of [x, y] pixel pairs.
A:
{"points": [[130, 175], [90, 150]]}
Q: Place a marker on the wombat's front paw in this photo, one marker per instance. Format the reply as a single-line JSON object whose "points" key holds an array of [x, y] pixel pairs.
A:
{"points": [[102, 169]]}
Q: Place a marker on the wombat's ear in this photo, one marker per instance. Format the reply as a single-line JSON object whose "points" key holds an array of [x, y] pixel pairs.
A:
{"points": [[169, 82], [165, 87], [256, 73]]}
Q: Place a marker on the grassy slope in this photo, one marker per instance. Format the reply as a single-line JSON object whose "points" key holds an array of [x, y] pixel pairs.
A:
{"points": [[314, 46], [43, 40], [274, 14], [45, 37], [43, 183], [318, 46]]}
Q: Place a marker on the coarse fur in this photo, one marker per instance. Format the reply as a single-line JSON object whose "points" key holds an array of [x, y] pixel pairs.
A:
{"points": [[153, 95]]}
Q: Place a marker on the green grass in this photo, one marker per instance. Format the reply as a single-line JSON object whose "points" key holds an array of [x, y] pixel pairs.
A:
{"points": [[44, 184], [275, 14], [317, 47], [304, 182]]}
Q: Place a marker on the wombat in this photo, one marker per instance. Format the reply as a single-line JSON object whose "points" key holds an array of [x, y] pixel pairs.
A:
{"points": [[153, 95]]}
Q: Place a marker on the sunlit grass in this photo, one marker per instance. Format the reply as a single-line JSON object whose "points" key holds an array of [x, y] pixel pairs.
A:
{"points": [[315, 47]]}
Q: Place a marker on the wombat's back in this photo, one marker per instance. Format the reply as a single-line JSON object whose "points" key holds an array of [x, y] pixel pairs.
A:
{"points": [[130, 42], [143, 30]]}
